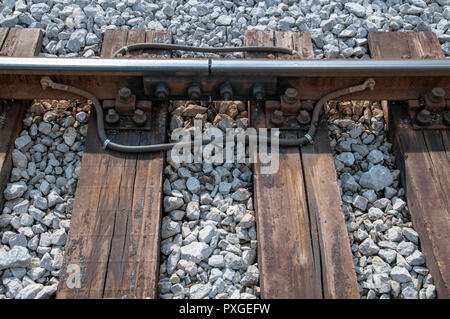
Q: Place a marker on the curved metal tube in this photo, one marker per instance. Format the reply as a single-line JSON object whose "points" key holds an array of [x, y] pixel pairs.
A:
{"points": [[46, 82], [308, 137], [177, 47]]}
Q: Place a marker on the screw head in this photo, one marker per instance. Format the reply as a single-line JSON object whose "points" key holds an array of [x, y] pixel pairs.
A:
{"points": [[423, 117], [438, 93], [194, 91], [277, 118], [124, 93], [304, 117], [161, 91], [291, 93], [258, 91], [112, 117], [139, 117]]}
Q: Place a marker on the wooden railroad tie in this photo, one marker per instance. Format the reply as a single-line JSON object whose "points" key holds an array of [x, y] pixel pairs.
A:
{"points": [[115, 227], [304, 250], [423, 157]]}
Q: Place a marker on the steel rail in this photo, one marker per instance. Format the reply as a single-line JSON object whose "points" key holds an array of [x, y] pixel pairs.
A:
{"points": [[232, 67], [328, 67], [75, 65]]}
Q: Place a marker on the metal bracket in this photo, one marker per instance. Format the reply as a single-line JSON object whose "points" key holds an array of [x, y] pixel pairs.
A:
{"points": [[430, 111], [220, 88], [290, 114], [126, 113]]}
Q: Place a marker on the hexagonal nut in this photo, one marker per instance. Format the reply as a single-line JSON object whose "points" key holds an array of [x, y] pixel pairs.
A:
{"points": [[277, 118]]}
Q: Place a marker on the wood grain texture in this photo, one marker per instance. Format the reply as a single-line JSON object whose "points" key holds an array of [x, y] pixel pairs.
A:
{"points": [[285, 254], [303, 45], [304, 250], [3, 34], [113, 40], [422, 158], [427, 200], [259, 38], [286, 39], [116, 262], [285, 250], [325, 207], [437, 155], [22, 42], [90, 230], [117, 242], [446, 142], [134, 263], [404, 45]]}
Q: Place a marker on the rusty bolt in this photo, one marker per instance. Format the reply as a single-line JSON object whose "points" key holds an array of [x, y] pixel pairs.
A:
{"points": [[194, 91], [277, 118], [139, 117], [124, 93], [304, 117], [437, 95], [423, 117], [258, 91], [162, 91], [226, 91], [112, 117], [291, 94]]}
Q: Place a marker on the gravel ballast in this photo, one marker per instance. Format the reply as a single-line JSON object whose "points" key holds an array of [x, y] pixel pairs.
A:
{"points": [[386, 252], [338, 28], [208, 236], [208, 247], [36, 215]]}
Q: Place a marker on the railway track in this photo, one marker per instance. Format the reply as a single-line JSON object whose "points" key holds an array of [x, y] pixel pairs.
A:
{"points": [[303, 245]]}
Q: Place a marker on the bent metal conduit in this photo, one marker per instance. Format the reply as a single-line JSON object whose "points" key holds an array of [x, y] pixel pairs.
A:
{"points": [[46, 82], [177, 47]]}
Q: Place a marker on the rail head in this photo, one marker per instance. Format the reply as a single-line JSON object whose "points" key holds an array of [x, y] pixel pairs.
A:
{"points": [[348, 67], [229, 67], [10, 65]]}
